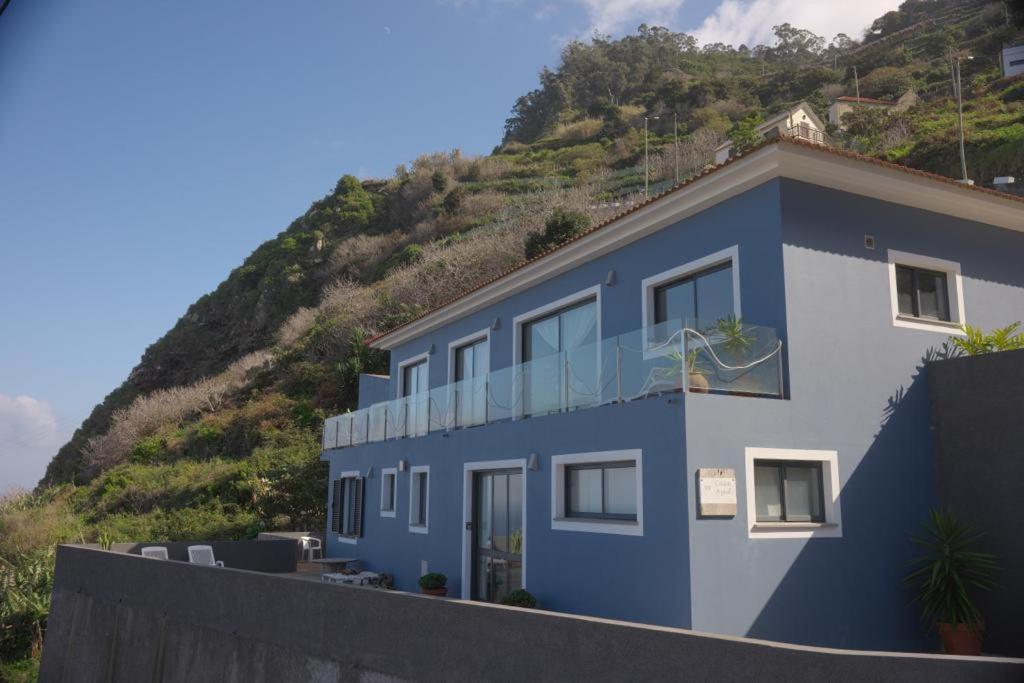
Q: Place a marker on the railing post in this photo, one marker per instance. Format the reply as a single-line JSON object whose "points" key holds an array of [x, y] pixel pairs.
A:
{"points": [[782, 383], [349, 421], [385, 422], [686, 362], [566, 383], [618, 371]]}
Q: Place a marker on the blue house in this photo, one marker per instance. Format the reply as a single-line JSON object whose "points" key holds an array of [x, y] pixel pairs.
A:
{"points": [[708, 412]]}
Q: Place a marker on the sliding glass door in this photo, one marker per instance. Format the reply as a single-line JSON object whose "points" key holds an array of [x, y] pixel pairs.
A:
{"points": [[560, 360]]}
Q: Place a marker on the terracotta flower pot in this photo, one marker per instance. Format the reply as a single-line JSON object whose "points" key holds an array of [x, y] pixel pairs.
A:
{"points": [[698, 383], [963, 639], [439, 592]]}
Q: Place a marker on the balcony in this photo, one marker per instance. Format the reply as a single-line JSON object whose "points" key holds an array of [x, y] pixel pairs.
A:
{"points": [[730, 357], [804, 131]]}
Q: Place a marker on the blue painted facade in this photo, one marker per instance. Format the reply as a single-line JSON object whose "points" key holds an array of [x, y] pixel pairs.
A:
{"points": [[854, 385]]}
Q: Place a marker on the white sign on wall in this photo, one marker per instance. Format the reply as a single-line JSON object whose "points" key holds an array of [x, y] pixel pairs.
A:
{"points": [[716, 491]]}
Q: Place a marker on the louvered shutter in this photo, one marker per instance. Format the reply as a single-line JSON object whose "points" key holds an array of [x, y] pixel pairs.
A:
{"points": [[336, 506], [357, 506]]}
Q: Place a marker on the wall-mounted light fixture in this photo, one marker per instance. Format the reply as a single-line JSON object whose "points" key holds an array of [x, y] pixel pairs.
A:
{"points": [[496, 324], [369, 472], [609, 280], [402, 465], [430, 350], [533, 464]]}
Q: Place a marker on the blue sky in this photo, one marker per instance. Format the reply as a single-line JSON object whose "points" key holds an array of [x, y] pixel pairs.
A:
{"points": [[147, 147]]}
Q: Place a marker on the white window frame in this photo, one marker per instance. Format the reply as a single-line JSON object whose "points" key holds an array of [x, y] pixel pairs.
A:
{"points": [[413, 360], [425, 527], [479, 335], [384, 474], [559, 521], [468, 469], [832, 527], [351, 474], [954, 293], [729, 255]]}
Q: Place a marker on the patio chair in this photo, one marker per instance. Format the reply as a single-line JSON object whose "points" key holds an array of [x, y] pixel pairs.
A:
{"points": [[155, 552], [203, 554], [310, 545]]}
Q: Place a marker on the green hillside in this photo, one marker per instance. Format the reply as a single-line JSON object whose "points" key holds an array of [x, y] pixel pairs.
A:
{"points": [[215, 434]]}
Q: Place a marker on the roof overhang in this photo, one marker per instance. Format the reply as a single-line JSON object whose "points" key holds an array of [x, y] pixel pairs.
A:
{"points": [[804, 162]]}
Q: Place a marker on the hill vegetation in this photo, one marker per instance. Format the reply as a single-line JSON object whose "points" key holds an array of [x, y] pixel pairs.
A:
{"points": [[215, 434]]}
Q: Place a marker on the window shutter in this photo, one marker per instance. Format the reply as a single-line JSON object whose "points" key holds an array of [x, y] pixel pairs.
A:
{"points": [[336, 506], [357, 515]]}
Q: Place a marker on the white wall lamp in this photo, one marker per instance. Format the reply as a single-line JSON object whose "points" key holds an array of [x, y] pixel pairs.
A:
{"points": [[609, 280], [496, 324], [533, 464], [402, 465]]}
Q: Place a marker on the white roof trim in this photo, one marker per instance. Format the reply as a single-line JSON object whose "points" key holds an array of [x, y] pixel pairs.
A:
{"points": [[798, 162]]}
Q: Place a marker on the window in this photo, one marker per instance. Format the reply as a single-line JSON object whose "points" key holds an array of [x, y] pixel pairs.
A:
{"points": [[413, 387], [698, 300], [388, 486], [470, 364], [565, 337], [788, 491], [696, 294], [598, 492], [926, 293], [419, 498], [792, 493], [601, 490], [922, 293], [347, 506]]}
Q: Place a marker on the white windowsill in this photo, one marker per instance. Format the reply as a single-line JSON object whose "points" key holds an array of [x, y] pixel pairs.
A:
{"points": [[387, 513], [928, 324], [418, 528], [775, 526], [622, 527], [348, 539]]}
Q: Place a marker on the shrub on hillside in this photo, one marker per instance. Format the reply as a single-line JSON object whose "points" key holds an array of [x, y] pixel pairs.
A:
{"points": [[561, 226], [886, 82]]}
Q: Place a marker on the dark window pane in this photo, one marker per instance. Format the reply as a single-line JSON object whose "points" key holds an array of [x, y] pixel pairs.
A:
{"points": [[714, 297], [803, 502], [905, 294], [768, 493], [620, 491], [675, 302], [584, 491], [932, 295]]}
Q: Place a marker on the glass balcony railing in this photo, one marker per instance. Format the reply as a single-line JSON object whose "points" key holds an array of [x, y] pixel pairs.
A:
{"points": [[730, 357]]}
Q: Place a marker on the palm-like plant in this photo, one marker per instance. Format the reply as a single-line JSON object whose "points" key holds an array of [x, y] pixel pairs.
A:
{"points": [[949, 570], [976, 342]]}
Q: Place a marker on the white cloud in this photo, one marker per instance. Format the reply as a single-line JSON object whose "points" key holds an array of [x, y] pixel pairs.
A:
{"points": [[545, 12], [749, 22], [613, 16], [28, 439]]}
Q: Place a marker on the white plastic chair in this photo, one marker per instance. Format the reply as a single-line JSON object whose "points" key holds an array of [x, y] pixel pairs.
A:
{"points": [[311, 544], [203, 554], [155, 552]]}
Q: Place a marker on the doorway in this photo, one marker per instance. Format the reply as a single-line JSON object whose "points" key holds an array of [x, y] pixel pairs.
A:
{"points": [[496, 533]]}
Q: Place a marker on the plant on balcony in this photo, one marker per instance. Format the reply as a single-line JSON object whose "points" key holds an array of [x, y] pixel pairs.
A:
{"points": [[696, 375], [734, 338], [946, 575], [976, 342], [520, 598], [434, 583]]}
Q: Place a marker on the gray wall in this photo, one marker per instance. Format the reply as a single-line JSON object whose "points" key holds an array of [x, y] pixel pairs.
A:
{"points": [[121, 618], [978, 418]]}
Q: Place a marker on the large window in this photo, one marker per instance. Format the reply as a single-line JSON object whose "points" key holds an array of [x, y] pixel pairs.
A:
{"points": [[601, 490], [560, 353], [472, 362], [788, 491], [922, 293], [347, 506], [419, 499], [388, 491], [698, 300]]}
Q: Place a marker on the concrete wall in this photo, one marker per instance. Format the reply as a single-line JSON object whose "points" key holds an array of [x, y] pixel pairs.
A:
{"points": [[978, 418], [116, 617]]}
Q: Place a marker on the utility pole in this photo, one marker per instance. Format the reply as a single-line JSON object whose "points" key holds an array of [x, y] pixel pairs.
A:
{"points": [[647, 163], [957, 89], [675, 132], [856, 82]]}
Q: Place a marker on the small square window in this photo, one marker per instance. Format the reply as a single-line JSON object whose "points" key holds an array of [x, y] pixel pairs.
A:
{"points": [[601, 490], [788, 491], [922, 293]]}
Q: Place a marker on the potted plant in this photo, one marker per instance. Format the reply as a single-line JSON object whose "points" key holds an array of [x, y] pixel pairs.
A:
{"points": [[695, 375], [520, 598], [945, 575], [434, 584]]}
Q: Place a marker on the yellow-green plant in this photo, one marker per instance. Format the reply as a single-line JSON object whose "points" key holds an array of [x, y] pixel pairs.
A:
{"points": [[976, 342]]}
